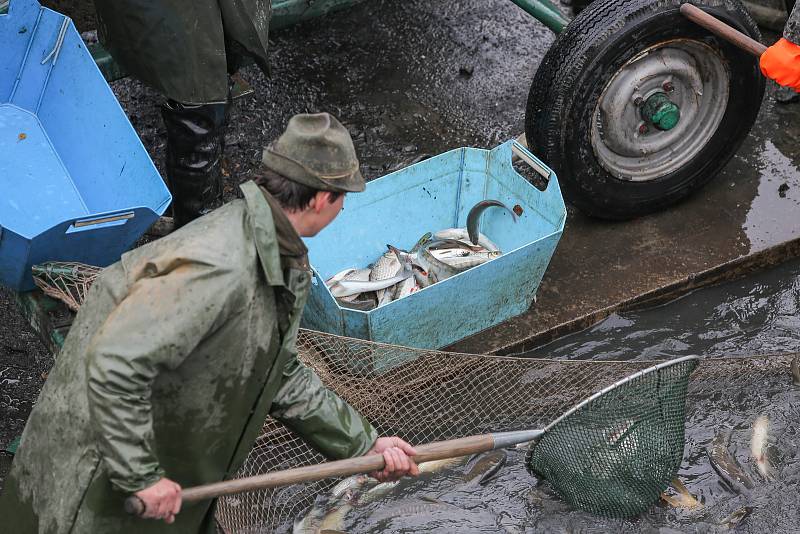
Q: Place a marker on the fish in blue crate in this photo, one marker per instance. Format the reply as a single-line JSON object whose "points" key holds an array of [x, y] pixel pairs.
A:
{"points": [[437, 256]]}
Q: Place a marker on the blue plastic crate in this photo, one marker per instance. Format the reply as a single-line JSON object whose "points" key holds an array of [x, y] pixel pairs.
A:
{"points": [[76, 184], [430, 196]]}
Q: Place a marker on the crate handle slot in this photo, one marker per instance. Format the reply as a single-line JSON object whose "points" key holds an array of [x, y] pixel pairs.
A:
{"points": [[87, 224], [525, 155]]}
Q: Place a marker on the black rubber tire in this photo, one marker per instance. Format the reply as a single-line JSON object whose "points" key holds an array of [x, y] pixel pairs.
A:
{"points": [[580, 5], [579, 65]]}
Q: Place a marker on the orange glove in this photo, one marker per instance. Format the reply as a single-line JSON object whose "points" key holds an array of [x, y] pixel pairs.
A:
{"points": [[781, 62]]}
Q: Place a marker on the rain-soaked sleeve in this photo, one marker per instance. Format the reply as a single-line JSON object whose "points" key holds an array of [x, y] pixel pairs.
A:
{"points": [[792, 30], [319, 416], [154, 328]]}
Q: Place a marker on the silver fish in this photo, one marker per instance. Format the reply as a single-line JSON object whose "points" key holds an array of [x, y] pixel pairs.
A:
{"points": [[347, 288], [461, 234], [474, 217], [350, 275], [387, 266], [487, 467], [726, 465], [682, 499], [405, 288], [440, 465], [737, 517], [758, 446], [462, 262], [438, 270]]}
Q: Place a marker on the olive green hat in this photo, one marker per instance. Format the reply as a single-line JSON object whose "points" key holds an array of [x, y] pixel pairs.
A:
{"points": [[316, 151]]}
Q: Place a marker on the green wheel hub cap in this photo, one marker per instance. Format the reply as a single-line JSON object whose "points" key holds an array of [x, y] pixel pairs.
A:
{"points": [[661, 112]]}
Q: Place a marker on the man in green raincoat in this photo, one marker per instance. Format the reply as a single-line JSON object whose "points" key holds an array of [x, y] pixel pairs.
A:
{"points": [[185, 49], [181, 351]]}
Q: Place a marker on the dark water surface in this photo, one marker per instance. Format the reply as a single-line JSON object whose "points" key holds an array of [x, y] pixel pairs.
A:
{"points": [[757, 315]]}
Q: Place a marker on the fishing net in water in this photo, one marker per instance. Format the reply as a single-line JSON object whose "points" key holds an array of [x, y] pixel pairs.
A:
{"points": [[425, 396], [615, 453], [67, 282]]}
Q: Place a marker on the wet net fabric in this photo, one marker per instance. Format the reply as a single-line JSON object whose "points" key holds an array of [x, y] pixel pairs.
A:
{"points": [[616, 453], [425, 396], [67, 282]]}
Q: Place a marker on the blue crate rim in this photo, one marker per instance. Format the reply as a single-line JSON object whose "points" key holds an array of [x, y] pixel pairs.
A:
{"points": [[552, 182]]}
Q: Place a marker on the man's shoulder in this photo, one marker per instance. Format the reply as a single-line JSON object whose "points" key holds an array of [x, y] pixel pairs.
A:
{"points": [[220, 240]]}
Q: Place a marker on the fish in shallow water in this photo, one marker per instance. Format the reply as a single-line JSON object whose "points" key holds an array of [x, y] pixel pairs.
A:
{"points": [[758, 446], [682, 498], [796, 371], [737, 517], [486, 467], [474, 217], [726, 465]]}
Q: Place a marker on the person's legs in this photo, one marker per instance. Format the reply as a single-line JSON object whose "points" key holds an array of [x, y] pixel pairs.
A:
{"points": [[195, 145]]}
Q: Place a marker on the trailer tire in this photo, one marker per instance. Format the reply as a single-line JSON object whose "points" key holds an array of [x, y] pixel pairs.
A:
{"points": [[586, 73], [580, 5]]}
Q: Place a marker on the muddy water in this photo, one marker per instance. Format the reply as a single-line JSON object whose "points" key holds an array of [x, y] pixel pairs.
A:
{"points": [[754, 316]]}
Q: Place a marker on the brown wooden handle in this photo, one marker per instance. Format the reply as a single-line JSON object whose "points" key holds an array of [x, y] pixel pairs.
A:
{"points": [[717, 27], [341, 468]]}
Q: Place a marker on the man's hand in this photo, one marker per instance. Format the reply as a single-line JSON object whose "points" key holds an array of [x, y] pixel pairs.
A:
{"points": [[162, 500], [396, 453], [781, 62]]}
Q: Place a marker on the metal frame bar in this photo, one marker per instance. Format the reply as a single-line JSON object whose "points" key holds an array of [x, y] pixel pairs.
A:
{"points": [[545, 12], [624, 381]]}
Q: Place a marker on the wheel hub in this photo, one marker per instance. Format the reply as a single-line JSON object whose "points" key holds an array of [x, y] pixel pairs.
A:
{"points": [[660, 109], [661, 112]]}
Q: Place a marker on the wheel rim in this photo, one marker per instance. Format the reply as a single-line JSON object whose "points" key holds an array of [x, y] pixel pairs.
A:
{"points": [[660, 109]]}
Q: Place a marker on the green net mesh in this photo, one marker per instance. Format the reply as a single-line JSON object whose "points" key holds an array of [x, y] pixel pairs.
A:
{"points": [[615, 454]]}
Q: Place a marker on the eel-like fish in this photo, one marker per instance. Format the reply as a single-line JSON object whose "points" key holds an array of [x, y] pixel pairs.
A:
{"points": [[474, 217]]}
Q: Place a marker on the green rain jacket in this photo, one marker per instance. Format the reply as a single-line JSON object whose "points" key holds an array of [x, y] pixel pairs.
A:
{"points": [[184, 48], [178, 355]]}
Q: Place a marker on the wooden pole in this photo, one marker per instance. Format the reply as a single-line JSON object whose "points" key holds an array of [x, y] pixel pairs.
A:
{"points": [[342, 468], [717, 27]]}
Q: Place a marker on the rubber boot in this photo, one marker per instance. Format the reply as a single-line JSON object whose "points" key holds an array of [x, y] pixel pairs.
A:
{"points": [[195, 144]]}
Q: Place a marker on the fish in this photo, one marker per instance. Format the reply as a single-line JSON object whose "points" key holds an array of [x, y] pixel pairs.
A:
{"points": [[347, 288], [474, 217], [796, 371], [462, 262], [436, 466], [726, 465], [683, 499], [387, 266], [359, 275], [486, 468], [437, 269], [405, 288], [461, 234], [737, 517], [758, 446], [339, 502]]}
